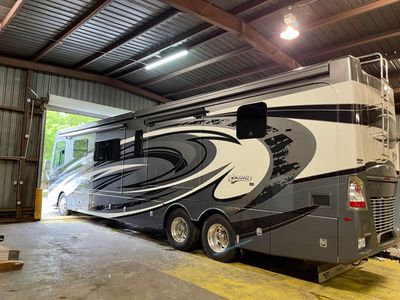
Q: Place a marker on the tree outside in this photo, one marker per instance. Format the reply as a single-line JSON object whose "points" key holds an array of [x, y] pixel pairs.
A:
{"points": [[56, 121]]}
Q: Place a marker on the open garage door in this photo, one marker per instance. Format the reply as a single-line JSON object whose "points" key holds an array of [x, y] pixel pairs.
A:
{"points": [[22, 138], [63, 113]]}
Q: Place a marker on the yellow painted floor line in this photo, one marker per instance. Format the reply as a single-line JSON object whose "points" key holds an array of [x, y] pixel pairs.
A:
{"points": [[372, 280]]}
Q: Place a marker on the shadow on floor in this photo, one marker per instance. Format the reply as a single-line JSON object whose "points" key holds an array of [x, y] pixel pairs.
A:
{"points": [[286, 266], [353, 280]]}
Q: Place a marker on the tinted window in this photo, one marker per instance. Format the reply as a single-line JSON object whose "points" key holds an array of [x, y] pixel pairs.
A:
{"points": [[138, 152], [107, 150], [251, 121], [59, 155], [80, 148]]}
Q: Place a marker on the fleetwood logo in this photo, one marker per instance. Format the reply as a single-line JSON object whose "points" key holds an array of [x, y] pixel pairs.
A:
{"points": [[236, 178]]}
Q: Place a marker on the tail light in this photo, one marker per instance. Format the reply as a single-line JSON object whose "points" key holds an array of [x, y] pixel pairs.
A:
{"points": [[356, 193]]}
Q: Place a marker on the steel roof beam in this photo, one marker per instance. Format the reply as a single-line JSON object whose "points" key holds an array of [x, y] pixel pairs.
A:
{"points": [[128, 37], [394, 75], [319, 23], [354, 43], [346, 14], [11, 14], [231, 23], [239, 10], [197, 66], [30, 65], [100, 5]]}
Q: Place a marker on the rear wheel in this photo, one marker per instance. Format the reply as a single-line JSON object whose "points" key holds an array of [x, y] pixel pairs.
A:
{"points": [[182, 233], [62, 206], [218, 239]]}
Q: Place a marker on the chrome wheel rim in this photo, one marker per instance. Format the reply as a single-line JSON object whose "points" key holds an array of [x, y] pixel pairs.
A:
{"points": [[179, 230], [62, 205], [218, 238]]}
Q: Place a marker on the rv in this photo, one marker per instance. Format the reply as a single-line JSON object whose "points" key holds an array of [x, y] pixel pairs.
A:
{"points": [[303, 165]]}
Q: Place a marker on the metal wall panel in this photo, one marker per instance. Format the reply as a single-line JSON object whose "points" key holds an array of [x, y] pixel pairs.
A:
{"points": [[12, 102], [10, 138], [29, 186], [398, 130], [44, 84], [8, 191], [11, 87], [19, 176]]}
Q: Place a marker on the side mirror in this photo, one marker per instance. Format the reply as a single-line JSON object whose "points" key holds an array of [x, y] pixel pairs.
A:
{"points": [[47, 168], [47, 165]]}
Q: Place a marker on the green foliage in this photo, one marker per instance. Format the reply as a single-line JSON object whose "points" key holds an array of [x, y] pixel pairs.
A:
{"points": [[56, 121]]}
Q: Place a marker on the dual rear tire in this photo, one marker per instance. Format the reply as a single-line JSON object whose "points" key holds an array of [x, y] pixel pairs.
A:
{"points": [[217, 235]]}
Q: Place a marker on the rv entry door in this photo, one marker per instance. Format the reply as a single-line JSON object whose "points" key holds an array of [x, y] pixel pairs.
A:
{"points": [[106, 195]]}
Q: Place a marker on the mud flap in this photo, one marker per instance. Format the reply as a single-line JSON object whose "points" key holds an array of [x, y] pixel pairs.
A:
{"points": [[328, 271]]}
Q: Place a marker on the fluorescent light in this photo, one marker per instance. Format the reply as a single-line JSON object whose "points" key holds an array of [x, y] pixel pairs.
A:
{"points": [[290, 33], [167, 59]]}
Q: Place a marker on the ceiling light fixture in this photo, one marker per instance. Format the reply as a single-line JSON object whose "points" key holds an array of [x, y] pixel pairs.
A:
{"points": [[166, 59], [291, 32]]}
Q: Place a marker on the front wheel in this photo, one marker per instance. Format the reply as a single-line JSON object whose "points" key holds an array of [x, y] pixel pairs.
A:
{"points": [[62, 206], [218, 239], [182, 233]]}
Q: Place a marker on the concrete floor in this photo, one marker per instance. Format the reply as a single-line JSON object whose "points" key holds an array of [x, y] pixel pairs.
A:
{"points": [[83, 258]]}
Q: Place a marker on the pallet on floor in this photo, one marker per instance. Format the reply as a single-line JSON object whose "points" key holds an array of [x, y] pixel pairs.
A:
{"points": [[11, 265]]}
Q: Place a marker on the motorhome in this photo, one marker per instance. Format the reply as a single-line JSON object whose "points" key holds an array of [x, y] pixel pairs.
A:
{"points": [[303, 164]]}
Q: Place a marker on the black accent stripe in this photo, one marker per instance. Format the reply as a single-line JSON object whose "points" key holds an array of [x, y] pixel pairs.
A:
{"points": [[248, 228], [227, 136], [331, 174], [342, 113]]}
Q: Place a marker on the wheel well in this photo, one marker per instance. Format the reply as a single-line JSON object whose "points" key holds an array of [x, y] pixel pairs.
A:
{"points": [[200, 221], [207, 213], [59, 196], [170, 210]]}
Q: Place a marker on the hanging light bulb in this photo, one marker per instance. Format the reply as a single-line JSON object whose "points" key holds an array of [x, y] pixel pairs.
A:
{"points": [[291, 32]]}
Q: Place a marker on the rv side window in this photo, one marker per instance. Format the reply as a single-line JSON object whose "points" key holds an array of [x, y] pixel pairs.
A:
{"points": [[80, 148], [251, 121], [138, 151], [59, 155], [107, 150]]}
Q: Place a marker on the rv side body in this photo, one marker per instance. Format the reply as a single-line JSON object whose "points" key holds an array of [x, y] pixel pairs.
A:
{"points": [[285, 193]]}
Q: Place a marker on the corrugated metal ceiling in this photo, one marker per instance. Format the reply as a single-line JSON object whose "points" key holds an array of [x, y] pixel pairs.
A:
{"points": [[41, 21]]}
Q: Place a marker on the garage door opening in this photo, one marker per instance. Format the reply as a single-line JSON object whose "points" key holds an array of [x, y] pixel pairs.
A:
{"points": [[65, 113], [54, 153]]}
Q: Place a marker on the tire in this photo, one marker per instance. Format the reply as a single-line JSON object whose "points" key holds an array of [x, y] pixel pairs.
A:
{"points": [[182, 234], [62, 206], [218, 238]]}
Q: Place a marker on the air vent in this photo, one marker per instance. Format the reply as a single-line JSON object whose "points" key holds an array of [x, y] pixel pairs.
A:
{"points": [[321, 200]]}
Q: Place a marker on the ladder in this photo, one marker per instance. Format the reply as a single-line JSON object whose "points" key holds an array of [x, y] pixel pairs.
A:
{"points": [[383, 134]]}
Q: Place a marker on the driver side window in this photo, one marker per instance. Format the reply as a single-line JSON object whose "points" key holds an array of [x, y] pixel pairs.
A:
{"points": [[59, 155]]}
